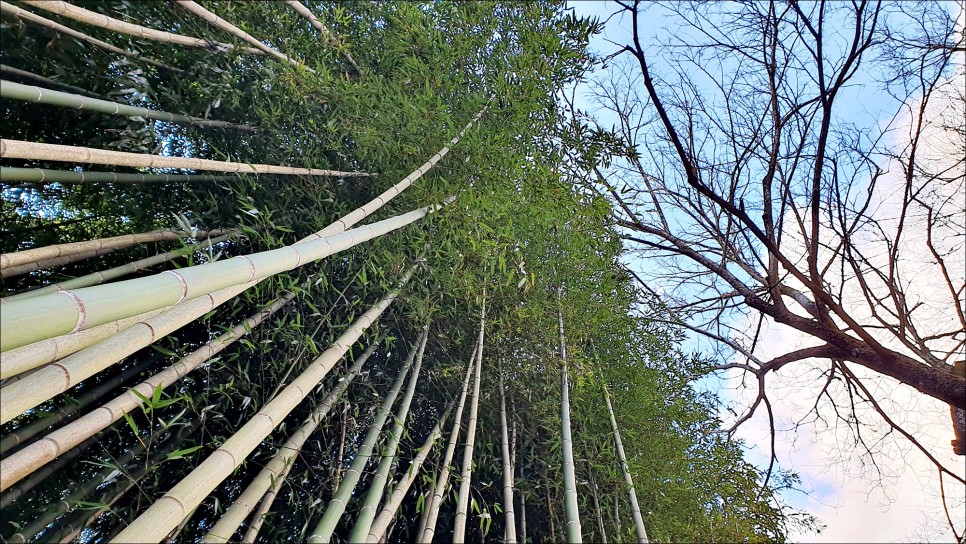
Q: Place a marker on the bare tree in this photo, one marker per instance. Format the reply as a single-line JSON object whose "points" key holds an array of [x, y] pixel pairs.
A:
{"points": [[741, 171]]}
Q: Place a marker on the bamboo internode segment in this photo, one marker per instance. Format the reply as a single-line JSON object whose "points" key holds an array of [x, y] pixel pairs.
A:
{"points": [[326, 33], [168, 511], [388, 512], [10, 174], [116, 25], [39, 95], [25, 321], [20, 360], [20, 464], [18, 149], [104, 276], [368, 208], [377, 486], [28, 256], [337, 505], [277, 468], [43, 21], [23, 74], [217, 21], [442, 481]]}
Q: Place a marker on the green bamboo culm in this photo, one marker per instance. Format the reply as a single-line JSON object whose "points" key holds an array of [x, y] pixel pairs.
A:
{"points": [[171, 509], [336, 507], [274, 473], [567, 443], [11, 174], [376, 489], [25, 321], [632, 494], [39, 95], [23, 74]]}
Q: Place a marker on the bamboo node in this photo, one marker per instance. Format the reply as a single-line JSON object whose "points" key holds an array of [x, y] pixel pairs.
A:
{"points": [[81, 311], [251, 267], [184, 284]]}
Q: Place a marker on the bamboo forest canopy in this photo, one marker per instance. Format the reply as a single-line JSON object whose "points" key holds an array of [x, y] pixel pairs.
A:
{"points": [[283, 271]]}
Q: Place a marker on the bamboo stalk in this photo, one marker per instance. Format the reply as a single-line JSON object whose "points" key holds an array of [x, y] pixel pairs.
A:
{"points": [[271, 477], [54, 262], [29, 256], [37, 454], [381, 524], [625, 468], [39, 476], [104, 276], [116, 25], [459, 524], [25, 433], [39, 95], [36, 78], [72, 529], [169, 510], [336, 506], [10, 174], [26, 321], [44, 22], [25, 358], [326, 33], [595, 497], [511, 528], [378, 485], [18, 149], [428, 530], [217, 21], [570, 478]]}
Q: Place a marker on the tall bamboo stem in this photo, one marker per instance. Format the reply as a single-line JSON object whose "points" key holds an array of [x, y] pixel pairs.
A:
{"points": [[595, 497], [217, 21], [39, 95], [442, 479], [379, 526], [37, 454], [18, 149], [570, 478], [340, 499], [116, 25], [114, 243], [26, 321], [510, 531], [36, 78], [104, 276], [626, 469], [459, 524], [272, 476], [44, 22], [14, 493], [10, 175], [378, 485], [169, 510]]}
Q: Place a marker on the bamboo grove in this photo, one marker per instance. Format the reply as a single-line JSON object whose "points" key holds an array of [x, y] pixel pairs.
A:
{"points": [[310, 271]]}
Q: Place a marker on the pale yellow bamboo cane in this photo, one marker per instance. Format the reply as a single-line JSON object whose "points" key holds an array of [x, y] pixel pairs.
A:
{"points": [[217, 21], [388, 512], [116, 25], [18, 465], [169, 510], [26, 321], [28, 256], [31, 356], [459, 522], [326, 33], [273, 474], [18, 149], [45, 22], [55, 262]]}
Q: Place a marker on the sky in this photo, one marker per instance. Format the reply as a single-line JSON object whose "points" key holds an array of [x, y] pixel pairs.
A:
{"points": [[900, 501]]}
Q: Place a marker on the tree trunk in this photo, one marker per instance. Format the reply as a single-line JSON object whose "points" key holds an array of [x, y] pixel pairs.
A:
{"points": [[570, 478], [379, 527], [511, 529], [442, 479], [271, 477], [459, 524], [631, 493], [168, 511], [378, 486], [38, 95]]}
